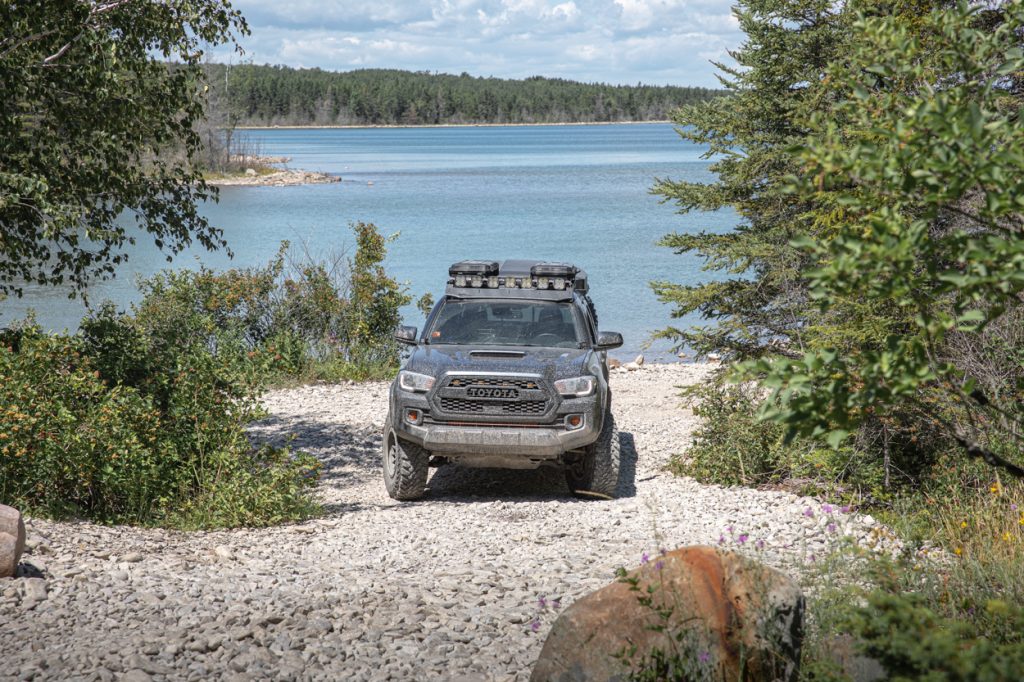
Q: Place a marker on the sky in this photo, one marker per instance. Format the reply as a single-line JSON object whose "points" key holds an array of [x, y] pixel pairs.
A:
{"points": [[660, 42]]}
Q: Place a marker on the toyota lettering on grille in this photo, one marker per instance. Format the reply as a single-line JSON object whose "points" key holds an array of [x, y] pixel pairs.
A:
{"points": [[492, 392]]}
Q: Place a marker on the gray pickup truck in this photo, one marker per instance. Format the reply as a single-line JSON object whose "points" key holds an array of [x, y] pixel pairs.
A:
{"points": [[509, 372]]}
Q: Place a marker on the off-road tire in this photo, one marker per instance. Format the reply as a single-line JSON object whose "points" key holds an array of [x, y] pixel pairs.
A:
{"points": [[597, 473], [405, 466]]}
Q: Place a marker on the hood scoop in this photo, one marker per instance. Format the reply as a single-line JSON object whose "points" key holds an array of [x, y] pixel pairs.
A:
{"points": [[501, 354]]}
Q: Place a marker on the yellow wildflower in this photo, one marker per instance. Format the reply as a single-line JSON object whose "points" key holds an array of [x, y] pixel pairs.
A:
{"points": [[958, 551]]}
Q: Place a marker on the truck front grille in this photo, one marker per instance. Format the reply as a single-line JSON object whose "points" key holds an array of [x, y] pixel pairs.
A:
{"points": [[512, 396], [493, 406], [501, 382]]}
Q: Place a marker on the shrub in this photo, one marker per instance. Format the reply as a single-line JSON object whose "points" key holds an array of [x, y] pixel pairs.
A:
{"points": [[302, 316], [732, 446], [140, 418], [122, 425], [912, 642]]}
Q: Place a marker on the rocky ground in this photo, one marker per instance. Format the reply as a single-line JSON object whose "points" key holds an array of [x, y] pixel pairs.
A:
{"points": [[464, 583]]}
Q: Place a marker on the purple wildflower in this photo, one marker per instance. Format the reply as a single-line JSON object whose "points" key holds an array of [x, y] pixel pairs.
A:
{"points": [[704, 657], [1013, 506], [556, 603], [658, 565], [721, 539], [846, 509], [742, 538], [808, 512], [729, 528], [644, 558], [831, 528], [535, 625], [662, 551], [542, 603], [759, 544], [827, 508]]}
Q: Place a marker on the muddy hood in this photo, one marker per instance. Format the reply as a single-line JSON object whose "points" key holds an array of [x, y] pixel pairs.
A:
{"points": [[552, 363]]}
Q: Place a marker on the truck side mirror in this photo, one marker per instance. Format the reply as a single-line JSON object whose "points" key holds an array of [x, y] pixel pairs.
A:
{"points": [[406, 335], [608, 340]]}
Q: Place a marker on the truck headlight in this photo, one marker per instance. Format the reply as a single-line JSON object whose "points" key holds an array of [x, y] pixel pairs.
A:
{"points": [[416, 383], [577, 387]]}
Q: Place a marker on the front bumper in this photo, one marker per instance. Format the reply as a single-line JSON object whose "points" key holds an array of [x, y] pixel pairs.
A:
{"points": [[495, 439], [539, 442]]}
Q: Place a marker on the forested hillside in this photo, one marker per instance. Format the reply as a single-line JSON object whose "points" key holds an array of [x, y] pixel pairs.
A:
{"points": [[279, 95]]}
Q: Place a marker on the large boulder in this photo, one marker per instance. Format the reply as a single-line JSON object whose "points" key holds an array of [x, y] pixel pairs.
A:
{"points": [[696, 613], [12, 540]]}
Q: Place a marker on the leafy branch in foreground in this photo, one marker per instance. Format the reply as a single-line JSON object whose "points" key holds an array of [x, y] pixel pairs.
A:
{"points": [[94, 93], [925, 166]]}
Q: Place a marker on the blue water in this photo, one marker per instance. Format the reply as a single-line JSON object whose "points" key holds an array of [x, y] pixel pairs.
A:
{"points": [[567, 193]]}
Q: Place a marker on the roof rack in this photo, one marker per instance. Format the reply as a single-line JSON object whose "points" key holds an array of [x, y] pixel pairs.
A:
{"points": [[517, 275]]}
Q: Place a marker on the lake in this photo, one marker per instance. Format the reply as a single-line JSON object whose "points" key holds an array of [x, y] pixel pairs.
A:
{"points": [[571, 193]]}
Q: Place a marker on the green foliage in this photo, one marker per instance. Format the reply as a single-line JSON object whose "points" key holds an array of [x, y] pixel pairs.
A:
{"points": [[875, 296], [913, 643], [925, 164], [140, 418], [114, 426], [374, 299], [948, 600], [759, 303], [731, 446], [280, 95], [425, 303], [93, 93], [296, 318]]}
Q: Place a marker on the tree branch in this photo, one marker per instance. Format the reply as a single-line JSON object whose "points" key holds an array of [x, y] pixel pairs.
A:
{"points": [[991, 458], [93, 13]]}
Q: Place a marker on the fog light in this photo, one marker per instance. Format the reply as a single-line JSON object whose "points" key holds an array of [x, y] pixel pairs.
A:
{"points": [[573, 422], [413, 416], [492, 282], [542, 282], [476, 281], [460, 280], [559, 283]]}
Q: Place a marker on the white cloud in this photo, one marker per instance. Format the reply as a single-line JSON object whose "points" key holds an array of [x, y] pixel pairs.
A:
{"points": [[616, 41]]}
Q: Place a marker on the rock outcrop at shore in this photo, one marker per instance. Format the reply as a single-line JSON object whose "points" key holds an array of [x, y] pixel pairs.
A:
{"points": [[279, 178]]}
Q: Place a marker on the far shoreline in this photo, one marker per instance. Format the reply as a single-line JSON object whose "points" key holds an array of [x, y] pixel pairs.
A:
{"points": [[445, 125]]}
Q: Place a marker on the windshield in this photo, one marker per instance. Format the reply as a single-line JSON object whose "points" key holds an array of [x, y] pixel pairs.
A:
{"points": [[506, 323]]}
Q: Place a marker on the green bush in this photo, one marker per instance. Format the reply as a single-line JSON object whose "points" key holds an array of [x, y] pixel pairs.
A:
{"points": [[732, 446], [912, 642], [301, 316], [99, 426], [140, 418]]}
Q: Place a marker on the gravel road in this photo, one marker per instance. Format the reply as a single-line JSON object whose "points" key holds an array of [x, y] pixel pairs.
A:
{"points": [[461, 585]]}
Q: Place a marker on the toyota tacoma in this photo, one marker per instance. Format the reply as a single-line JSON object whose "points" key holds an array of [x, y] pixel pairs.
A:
{"points": [[511, 372]]}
